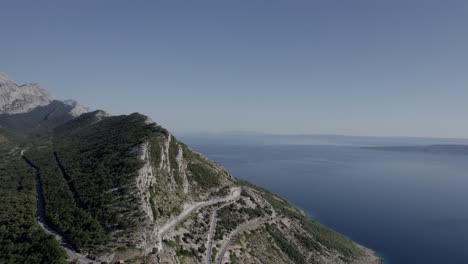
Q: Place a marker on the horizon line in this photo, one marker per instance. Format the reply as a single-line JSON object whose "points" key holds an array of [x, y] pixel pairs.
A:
{"points": [[241, 133]]}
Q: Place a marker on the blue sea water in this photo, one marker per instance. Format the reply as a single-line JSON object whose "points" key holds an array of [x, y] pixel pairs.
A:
{"points": [[409, 207]]}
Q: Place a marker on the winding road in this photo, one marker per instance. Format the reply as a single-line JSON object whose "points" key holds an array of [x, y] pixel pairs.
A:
{"points": [[73, 255], [243, 227], [234, 195], [41, 218], [209, 243]]}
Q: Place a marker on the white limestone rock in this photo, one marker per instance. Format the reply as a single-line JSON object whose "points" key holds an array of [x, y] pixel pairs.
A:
{"points": [[20, 99], [17, 99], [77, 109], [145, 179]]}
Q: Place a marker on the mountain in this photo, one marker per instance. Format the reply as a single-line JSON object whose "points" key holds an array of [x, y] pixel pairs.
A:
{"points": [[123, 188], [29, 106], [16, 99]]}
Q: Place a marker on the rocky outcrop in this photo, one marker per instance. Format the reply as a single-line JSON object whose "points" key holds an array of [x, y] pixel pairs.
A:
{"points": [[166, 163], [145, 180], [100, 115], [182, 164], [77, 109], [146, 236]]}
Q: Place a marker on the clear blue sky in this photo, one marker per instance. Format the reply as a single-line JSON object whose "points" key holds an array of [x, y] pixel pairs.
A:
{"points": [[396, 68]]}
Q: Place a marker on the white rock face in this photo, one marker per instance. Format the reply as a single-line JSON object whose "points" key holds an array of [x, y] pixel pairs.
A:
{"points": [[5, 79], [16, 99], [182, 169], [77, 109], [166, 163], [145, 179], [100, 115], [149, 121], [147, 237]]}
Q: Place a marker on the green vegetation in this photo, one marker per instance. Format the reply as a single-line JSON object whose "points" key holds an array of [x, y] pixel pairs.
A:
{"points": [[308, 242], [230, 217], [22, 240], [250, 212], [97, 158], [202, 249], [202, 171], [228, 220], [173, 151], [331, 239], [223, 192], [160, 191], [88, 169], [40, 119], [181, 251], [325, 236], [5, 143], [62, 210], [86, 183], [233, 258], [214, 252], [155, 150], [285, 246], [170, 243], [203, 174]]}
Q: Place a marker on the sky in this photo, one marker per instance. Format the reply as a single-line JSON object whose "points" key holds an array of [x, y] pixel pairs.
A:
{"points": [[374, 67]]}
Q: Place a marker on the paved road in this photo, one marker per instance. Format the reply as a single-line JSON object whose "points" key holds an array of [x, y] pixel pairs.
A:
{"points": [[243, 227], [235, 194], [71, 253], [209, 244]]}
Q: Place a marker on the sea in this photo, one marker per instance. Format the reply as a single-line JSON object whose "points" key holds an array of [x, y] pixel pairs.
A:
{"points": [[408, 207]]}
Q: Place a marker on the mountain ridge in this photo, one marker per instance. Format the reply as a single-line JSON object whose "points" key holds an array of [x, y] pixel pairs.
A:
{"points": [[21, 99], [28, 106], [123, 188]]}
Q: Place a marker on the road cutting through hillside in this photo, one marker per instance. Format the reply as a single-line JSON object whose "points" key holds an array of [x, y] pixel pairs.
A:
{"points": [[209, 242], [243, 227], [41, 218], [234, 195]]}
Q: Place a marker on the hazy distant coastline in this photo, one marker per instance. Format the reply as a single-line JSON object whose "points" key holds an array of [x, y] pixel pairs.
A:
{"points": [[317, 139], [434, 149]]}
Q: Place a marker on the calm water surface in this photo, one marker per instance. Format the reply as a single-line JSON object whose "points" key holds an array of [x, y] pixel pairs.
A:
{"points": [[409, 207]]}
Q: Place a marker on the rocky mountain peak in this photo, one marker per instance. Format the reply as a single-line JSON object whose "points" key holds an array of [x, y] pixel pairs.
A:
{"points": [[20, 99], [16, 99], [4, 79]]}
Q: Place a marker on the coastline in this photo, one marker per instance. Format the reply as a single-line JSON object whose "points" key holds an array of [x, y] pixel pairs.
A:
{"points": [[371, 256]]}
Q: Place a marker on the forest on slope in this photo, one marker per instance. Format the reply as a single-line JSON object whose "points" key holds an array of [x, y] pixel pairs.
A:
{"points": [[22, 240], [91, 176]]}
